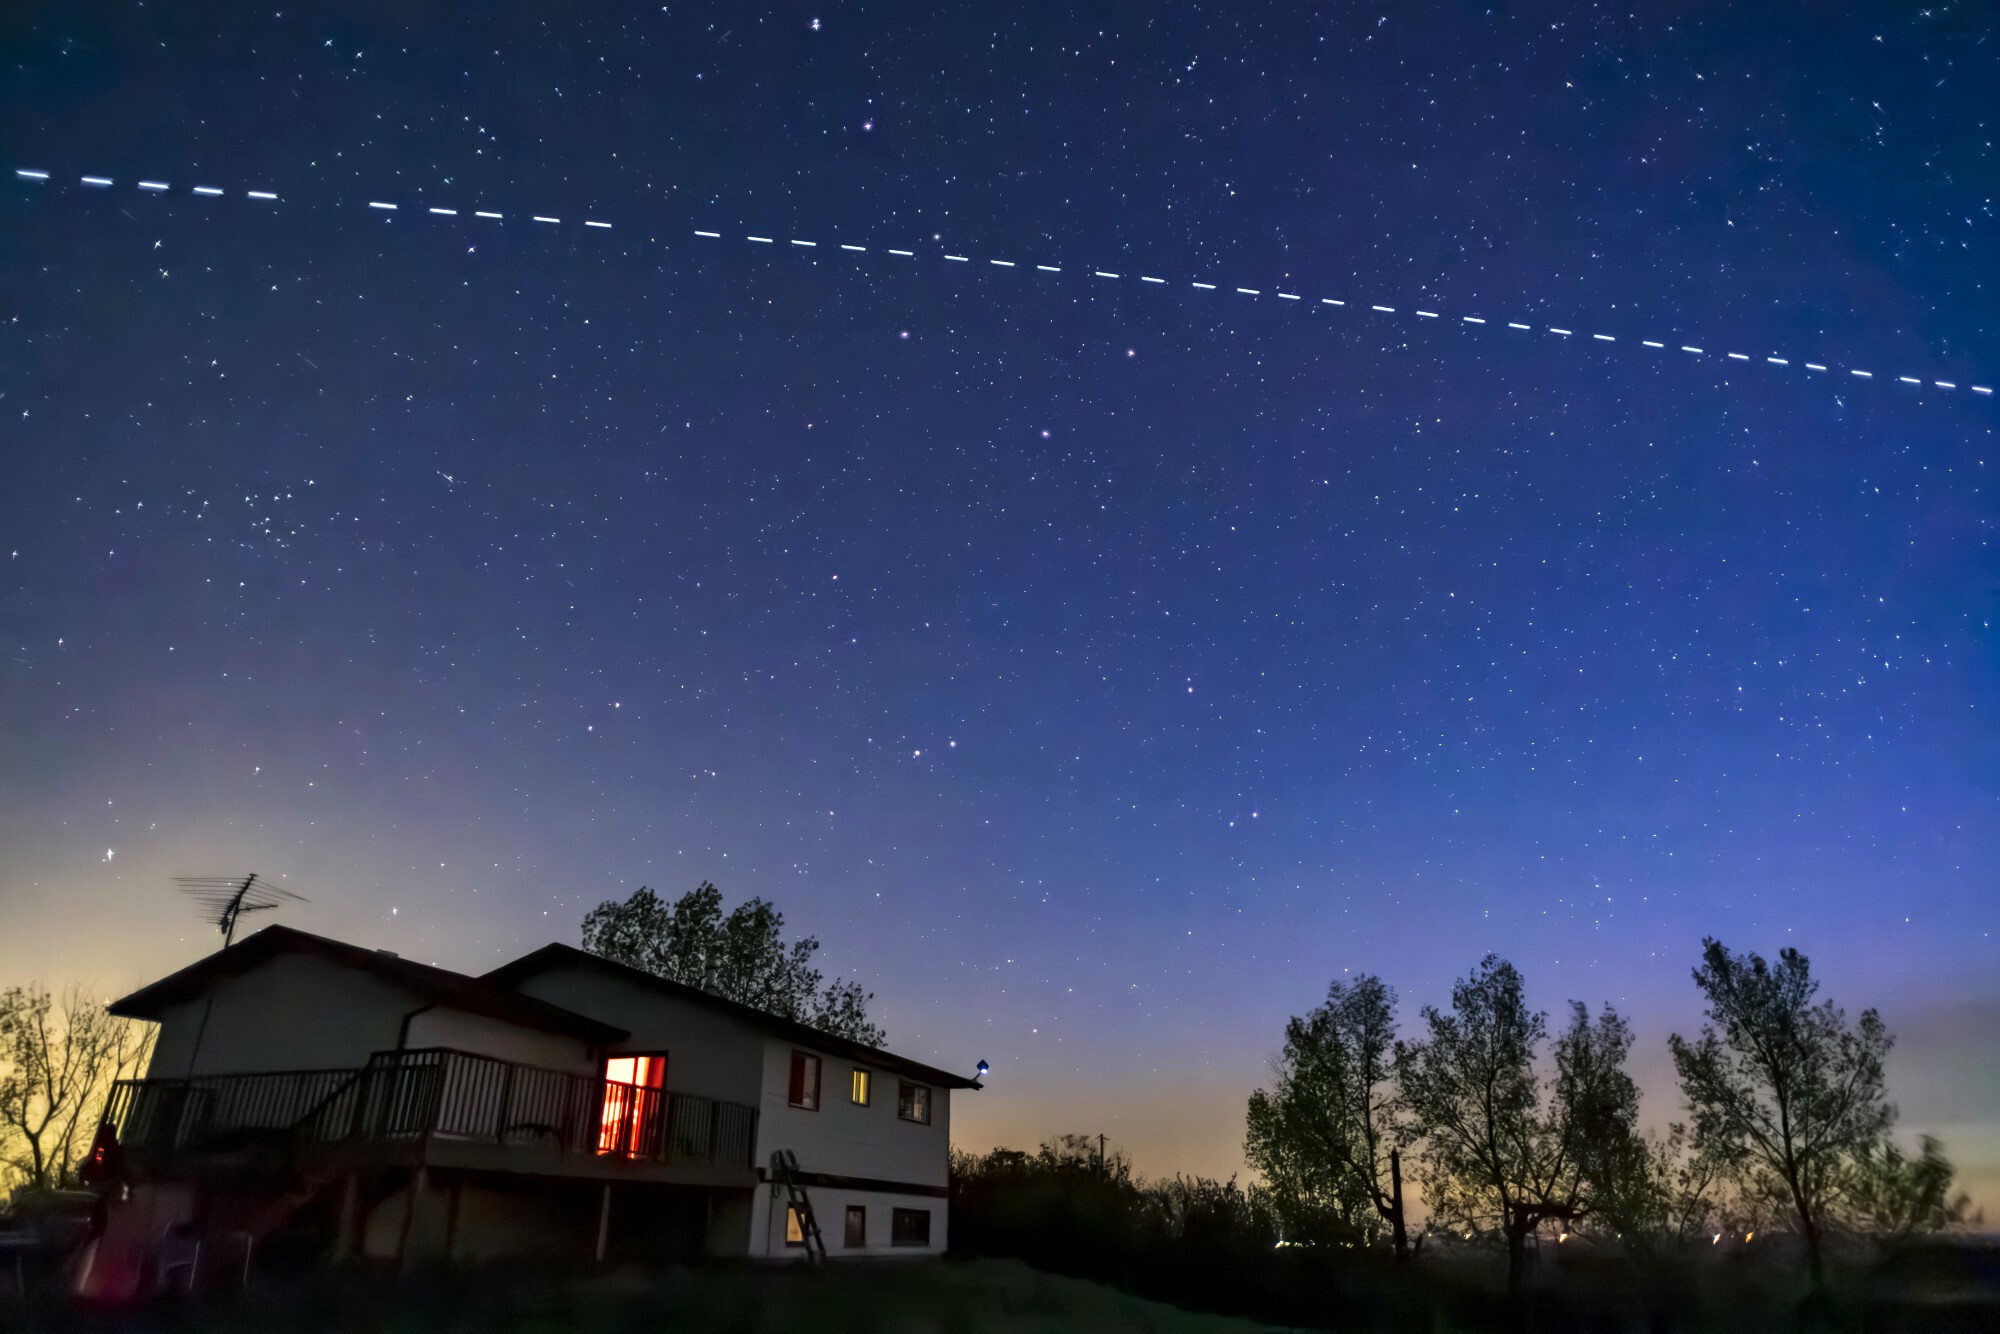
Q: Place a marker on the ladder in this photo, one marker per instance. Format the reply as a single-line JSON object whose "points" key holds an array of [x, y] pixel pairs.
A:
{"points": [[785, 1172]]}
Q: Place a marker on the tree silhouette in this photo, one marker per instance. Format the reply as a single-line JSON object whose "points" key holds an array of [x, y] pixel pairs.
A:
{"points": [[1783, 1090], [1890, 1195], [1498, 1157], [741, 956], [58, 1058], [1324, 1138]]}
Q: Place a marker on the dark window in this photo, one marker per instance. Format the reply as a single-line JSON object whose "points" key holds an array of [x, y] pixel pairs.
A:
{"points": [[913, 1103], [805, 1081], [910, 1227], [795, 1227], [857, 1228]]}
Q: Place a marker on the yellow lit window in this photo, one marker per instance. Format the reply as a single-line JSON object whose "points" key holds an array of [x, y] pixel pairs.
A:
{"points": [[859, 1093], [795, 1233]]}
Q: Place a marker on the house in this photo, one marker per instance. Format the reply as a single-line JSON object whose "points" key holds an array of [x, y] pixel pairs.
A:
{"points": [[310, 1098]]}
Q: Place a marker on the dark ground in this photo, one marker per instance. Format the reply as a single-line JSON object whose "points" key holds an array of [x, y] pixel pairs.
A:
{"points": [[989, 1296]]}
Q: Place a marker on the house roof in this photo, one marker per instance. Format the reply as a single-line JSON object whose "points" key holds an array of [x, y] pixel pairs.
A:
{"points": [[563, 956], [440, 986]]}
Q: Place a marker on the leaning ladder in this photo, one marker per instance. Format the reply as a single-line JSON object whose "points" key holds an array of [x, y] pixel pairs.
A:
{"points": [[785, 1171]]}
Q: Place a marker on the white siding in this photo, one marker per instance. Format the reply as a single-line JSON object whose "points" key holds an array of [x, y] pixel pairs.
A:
{"points": [[293, 1012], [842, 1139], [829, 1204], [304, 1012], [498, 1038], [709, 1054]]}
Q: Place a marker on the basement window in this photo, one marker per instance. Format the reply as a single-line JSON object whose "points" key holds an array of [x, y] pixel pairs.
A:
{"points": [[910, 1227]]}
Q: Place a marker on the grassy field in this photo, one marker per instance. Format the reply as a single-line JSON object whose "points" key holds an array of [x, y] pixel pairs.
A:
{"points": [[970, 1297], [991, 1296]]}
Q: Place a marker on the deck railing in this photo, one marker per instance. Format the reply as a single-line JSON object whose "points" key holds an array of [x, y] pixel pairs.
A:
{"points": [[435, 1093]]}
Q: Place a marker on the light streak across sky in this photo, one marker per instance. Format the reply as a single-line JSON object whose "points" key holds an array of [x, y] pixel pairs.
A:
{"points": [[37, 176]]}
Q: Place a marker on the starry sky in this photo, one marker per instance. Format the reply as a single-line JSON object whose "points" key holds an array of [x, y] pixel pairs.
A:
{"points": [[1097, 667]]}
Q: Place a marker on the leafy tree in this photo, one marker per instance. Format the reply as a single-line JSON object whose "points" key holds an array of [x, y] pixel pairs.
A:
{"points": [[1498, 1156], [1655, 1194], [1209, 1217], [1784, 1091], [1070, 1206], [58, 1059], [741, 956], [1892, 1196], [1324, 1138]]}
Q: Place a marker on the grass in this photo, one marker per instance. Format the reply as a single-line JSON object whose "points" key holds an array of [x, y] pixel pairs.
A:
{"points": [[924, 1297]]}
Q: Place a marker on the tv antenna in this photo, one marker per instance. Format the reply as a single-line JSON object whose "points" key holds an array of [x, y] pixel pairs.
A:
{"points": [[225, 898]]}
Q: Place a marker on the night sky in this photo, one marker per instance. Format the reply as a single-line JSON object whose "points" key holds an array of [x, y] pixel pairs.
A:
{"points": [[1097, 666]]}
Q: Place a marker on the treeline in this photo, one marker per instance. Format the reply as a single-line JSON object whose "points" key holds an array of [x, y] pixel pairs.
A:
{"points": [[1520, 1141], [1073, 1207]]}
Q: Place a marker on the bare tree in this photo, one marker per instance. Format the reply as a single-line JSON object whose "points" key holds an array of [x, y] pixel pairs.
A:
{"points": [[1783, 1090], [58, 1059], [1324, 1138], [1498, 1155]]}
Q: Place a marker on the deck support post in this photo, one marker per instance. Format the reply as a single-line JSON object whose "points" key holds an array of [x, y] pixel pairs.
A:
{"points": [[347, 1230], [603, 1222], [419, 1183], [451, 1217]]}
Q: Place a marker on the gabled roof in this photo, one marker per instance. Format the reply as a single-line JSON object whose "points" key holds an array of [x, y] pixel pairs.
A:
{"points": [[550, 957], [440, 986]]}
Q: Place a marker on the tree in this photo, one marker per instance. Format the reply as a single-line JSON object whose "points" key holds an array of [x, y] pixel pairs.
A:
{"points": [[1499, 1157], [1324, 1138], [741, 956], [1781, 1089], [1891, 1196], [1656, 1195], [58, 1059]]}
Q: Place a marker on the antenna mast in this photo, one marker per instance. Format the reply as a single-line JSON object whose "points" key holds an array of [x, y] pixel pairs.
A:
{"points": [[224, 899]]}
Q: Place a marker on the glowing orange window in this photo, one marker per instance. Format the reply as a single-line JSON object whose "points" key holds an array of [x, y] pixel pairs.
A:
{"points": [[632, 1102]]}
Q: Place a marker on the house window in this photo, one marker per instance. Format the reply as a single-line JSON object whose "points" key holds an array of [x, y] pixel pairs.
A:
{"points": [[857, 1092], [795, 1227], [629, 1120], [804, 1090], [856, 1235], [913, 1103], [910, 1227]]}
